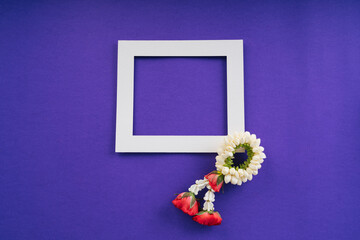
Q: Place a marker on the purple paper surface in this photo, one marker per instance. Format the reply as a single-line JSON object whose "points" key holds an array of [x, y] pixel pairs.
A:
{"points": [[177, 96], [61, 179]]}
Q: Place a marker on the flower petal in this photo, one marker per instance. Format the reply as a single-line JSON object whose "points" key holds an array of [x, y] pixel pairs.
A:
{"points": [[227, 178], [234, 180], [208, 218]]}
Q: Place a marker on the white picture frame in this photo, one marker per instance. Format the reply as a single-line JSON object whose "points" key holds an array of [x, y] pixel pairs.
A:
{"points": [[128, 50]]}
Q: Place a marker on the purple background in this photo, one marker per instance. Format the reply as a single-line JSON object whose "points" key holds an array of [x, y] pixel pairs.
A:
{"points": [[60, 177], [180, 96]]}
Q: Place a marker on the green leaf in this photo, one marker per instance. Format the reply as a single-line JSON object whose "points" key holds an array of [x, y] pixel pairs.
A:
{"points": [[201, 213], [220, 179], [192, 203], [188, 194]]}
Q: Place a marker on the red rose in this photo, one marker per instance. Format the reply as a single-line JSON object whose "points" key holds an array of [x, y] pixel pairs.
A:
{"points": [[216, 180], [208, 218], [186, 202]]}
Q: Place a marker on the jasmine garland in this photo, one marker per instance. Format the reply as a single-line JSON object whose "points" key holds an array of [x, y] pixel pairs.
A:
{"points": [[225, 172]]}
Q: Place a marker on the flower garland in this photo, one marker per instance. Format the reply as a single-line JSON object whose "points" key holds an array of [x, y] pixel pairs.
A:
{"points": [[225, 172]]}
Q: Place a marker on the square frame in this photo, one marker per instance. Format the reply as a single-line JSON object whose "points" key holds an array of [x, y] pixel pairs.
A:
{"points": [[128, 50]]}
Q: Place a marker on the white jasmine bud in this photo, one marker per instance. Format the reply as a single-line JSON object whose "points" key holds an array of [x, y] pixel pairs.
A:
{"points": [[227, 178], [234, 180], [225, 170]]}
